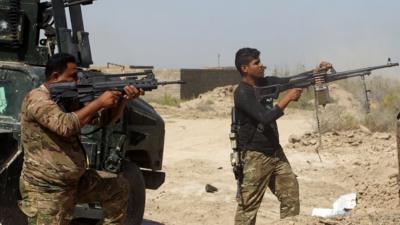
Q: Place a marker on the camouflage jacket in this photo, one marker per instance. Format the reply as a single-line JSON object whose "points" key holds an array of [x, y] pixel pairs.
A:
{"points": [[53, 157]]}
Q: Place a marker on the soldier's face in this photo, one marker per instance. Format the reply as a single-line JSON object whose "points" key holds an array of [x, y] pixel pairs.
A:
{"points": [[255, 68], [69, 74]]}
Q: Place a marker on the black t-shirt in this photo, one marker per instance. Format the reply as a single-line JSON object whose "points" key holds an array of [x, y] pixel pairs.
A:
{"points": [[251, 114]]}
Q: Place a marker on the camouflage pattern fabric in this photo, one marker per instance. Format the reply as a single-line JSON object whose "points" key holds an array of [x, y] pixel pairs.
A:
{"points": [[261, 171], [53, 158], [54, 176], [57, 207]]}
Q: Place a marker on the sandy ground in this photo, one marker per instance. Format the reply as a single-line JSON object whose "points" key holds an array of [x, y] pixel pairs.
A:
{"points": [[197, 153]]}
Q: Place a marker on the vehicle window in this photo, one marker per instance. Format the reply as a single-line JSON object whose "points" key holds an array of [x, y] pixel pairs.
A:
{"points": [[3, 100], [13, 87]]}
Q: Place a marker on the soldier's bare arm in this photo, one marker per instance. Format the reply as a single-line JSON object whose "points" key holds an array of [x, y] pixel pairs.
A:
{"points": [[131, 92], [107, 100], [292, 95]]}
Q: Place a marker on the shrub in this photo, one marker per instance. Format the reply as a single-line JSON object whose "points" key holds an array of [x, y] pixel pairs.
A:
{"points": [[167, 100], [334, 118]]}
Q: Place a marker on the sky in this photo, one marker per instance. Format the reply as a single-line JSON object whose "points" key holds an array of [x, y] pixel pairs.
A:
{"points": [[289, 33]]}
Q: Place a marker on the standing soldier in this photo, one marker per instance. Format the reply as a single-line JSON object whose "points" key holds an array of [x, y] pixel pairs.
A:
{"points": [[55, 176], [263, 160]]}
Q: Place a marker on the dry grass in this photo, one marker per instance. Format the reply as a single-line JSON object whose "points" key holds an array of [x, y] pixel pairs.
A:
{"points": [[206, 105], [335, 118], [167, 100], [385, 101]]}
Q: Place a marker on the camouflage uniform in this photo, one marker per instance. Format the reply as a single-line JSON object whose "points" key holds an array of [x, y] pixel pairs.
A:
{"points": [[55, 177], [261, 171]]}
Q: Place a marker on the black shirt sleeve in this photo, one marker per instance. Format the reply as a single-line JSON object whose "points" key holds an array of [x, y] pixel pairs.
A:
{"points": [[245, 100]]}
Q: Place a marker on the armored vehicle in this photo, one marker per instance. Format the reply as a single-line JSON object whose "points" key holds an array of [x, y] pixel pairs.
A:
{"points": [[30, 32]]}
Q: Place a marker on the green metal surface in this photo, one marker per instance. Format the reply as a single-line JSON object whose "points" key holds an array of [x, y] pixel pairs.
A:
{"points": [[23, 54]]}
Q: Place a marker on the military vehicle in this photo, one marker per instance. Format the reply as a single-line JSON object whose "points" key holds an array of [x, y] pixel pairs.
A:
{"points": [[30, 32]]}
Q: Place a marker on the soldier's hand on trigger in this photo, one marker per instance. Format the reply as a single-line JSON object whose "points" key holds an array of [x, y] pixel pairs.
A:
{"points": [[132, 92], [109, 99], [294, 94]]}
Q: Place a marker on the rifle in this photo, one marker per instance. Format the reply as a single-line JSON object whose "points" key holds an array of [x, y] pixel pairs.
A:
{"points": [[310, 78], [73, 95], [236, 155]]}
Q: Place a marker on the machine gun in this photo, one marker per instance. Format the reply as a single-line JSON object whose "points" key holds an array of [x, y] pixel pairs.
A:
{"points": [[73, 95], [319, 80]]}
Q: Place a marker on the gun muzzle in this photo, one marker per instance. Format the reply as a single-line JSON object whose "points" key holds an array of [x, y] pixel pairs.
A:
{"points": [[171, 82]]}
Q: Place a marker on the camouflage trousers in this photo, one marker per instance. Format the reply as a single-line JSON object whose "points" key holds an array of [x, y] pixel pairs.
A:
{"points": [[56, 207], [261, 171]]}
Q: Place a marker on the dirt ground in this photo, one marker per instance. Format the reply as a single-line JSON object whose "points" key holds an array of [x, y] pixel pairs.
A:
{"points": [[197, 153]]}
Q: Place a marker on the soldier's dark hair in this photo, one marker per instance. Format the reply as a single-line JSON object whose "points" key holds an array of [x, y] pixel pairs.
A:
{"points": [[244, 56], [58, 63]]}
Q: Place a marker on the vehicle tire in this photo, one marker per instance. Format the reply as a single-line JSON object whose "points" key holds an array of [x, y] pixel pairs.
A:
{"points": [[137, 195]]}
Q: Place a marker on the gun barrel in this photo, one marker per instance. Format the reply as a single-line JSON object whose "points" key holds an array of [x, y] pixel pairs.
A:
{"points": [[334, 77], [368, 69], [171, 82]]}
